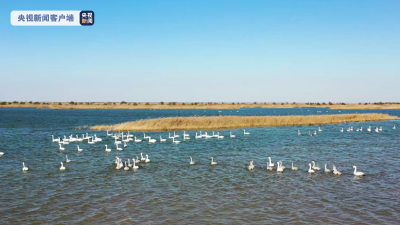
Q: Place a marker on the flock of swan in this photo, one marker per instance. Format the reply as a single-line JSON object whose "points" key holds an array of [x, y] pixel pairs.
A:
{"points": [[125, 138]]}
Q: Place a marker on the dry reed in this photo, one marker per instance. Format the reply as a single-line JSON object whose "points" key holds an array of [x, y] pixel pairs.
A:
{"points": [[229, 122]]}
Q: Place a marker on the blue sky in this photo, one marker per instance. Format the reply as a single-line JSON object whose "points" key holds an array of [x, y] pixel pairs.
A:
{"points": [[209, 50]]}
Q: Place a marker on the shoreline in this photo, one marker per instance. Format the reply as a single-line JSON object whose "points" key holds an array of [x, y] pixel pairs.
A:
{"points": [[234, 122]]}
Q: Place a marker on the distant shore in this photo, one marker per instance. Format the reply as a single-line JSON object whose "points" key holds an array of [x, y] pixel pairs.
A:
{"points": [[193, 105], [230, 122]]}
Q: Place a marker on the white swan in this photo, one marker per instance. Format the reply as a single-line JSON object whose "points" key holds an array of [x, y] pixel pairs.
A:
{"points": [[394, 127], [79, 149], [310, 170], [380, 129], [137, 159], [270, 162], [315, 167], [244, 132], [279, 168], [315, 133], [118, 148], [162, 140], [294, 168], [191, 161], [175, 142], [326, 169], [129, 163], [137, 140], [126, 168], [147, 159], [342, 130], [62, 167], [125, 145], [55, 140], [231, 135], [144, 136], [251, 166], [335, 171], [319, 129], [184, 134], [91, 142], [1, 154], [141, 157], [186, 138], [220, 136], [134, 165], [197, 136], [109, 134], [357, 173], [298, 132], [176, 135], [61, 147], [269, 167], [283, 168], [212, 161], [108, 149], [67, 160], [24, 168], [78, 139], [152, 140]]}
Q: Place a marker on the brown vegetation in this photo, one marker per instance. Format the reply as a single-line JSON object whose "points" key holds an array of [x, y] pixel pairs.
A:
{"points": [[228, 122]]}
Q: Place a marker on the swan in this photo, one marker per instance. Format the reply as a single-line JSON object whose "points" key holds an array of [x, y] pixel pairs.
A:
{"points": [[219, 136], [119, 166], [335, 171], [283, 168], [147, 159], [369, 129], [394, 127], [162, 140], [294, 168], [315, 167], [176, 135], [191, 161], [67, 160], [175, 142], [126, 168], [97, 139], [62, 167], [309, 133], [55, 140], [184, 134], [214, 135], [197, 137], [24, 168], [129, 135], [212, 161], [342, 130], [125, 145], [361, 129], [231, 135], [134, 165], [310, 170], [326, 169], [357, 173], [129, 163], [144, 136], [108, 149], [1, 154], [270, 162], [91, 142], [137, 140], [118, 148], [377, 130], [251, 166], [279, 168], [244, 132], [319, 129], [315, 133], [137, 159], [269, 167], [380, 129], [207, 136], [152, 140], [109, 134], [78, 139], [141, 157], [186, 138], [117, 142], [298, 132], [61, 147], [79, 149]]}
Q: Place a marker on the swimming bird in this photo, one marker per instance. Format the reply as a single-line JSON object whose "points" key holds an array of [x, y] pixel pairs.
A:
{"points": [[310, 170], [24, 168], [152, 140], [376, 130], [279, 168], [91, 142], [163, 140], [294, 168], [126, 168], [191, 161], [97, 139], [283, 168], [55, 140], [231, 135], [186, 138], [61, 147], [109, 134], [137, 159], [369, 129], [108, 149], [207, 136], [319, 129], [315, 133], [184, 134], [78, 139], [269, 167], [129, 163], [141, 157], [62, 167], [175, 135], [175, 142], [357, 173], [1, 154], [315, 167], [326, 169], [144, 136], [125, 145], [220, 136], [298, 132], [198, 136], [244, 132], [394, 127], [118, 148], [270, 162], [341, 130], [212, 161], [147, 159], [380, 129], [137, 140], [251, 166], [67, 160], [134, 165]]}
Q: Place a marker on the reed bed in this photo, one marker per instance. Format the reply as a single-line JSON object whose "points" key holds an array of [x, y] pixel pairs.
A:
{"points": [[229, 122]]}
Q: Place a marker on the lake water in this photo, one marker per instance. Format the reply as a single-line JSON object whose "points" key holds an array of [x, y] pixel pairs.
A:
{"points": [[169, 190]]}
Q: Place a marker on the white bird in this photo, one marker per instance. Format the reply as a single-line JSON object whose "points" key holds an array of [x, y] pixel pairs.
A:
{"points": [[341, 130], [369, 129], [144, 136], [61, 147], [1, 154], [108, 149], [147, 159], [294, 168], [279, 168], [212, 161], [117, 142], [310, 170], [55, 140], [126, 168], [24, 168], [244, 132], [62, 167], [141, 157], [214, 135], [162, 140], [319, 129], [335, 171], [315, 167], [380, 129], [125, 145], [315, 133], [184, 134], [186, 138], [91, 142], [175, 142], [129, 163], [357, 173], [251, 166], [152, 140], [269, 167], [270, 162], [198, 136], [394, 127], [298, 132], [118, 148], [137, 159], [377, 130], [220, 136], [231, 135], [67, 160], [326, 169], [78, 139], [283, 168], [137, 140], [134, 165], [109, 134], [191, 161], [176, 135]]}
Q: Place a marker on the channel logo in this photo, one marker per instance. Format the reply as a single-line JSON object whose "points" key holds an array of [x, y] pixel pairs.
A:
{"points": [[52, 18]]}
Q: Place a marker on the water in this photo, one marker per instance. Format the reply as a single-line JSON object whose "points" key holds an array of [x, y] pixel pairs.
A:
{"points": [[169, 190]]}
